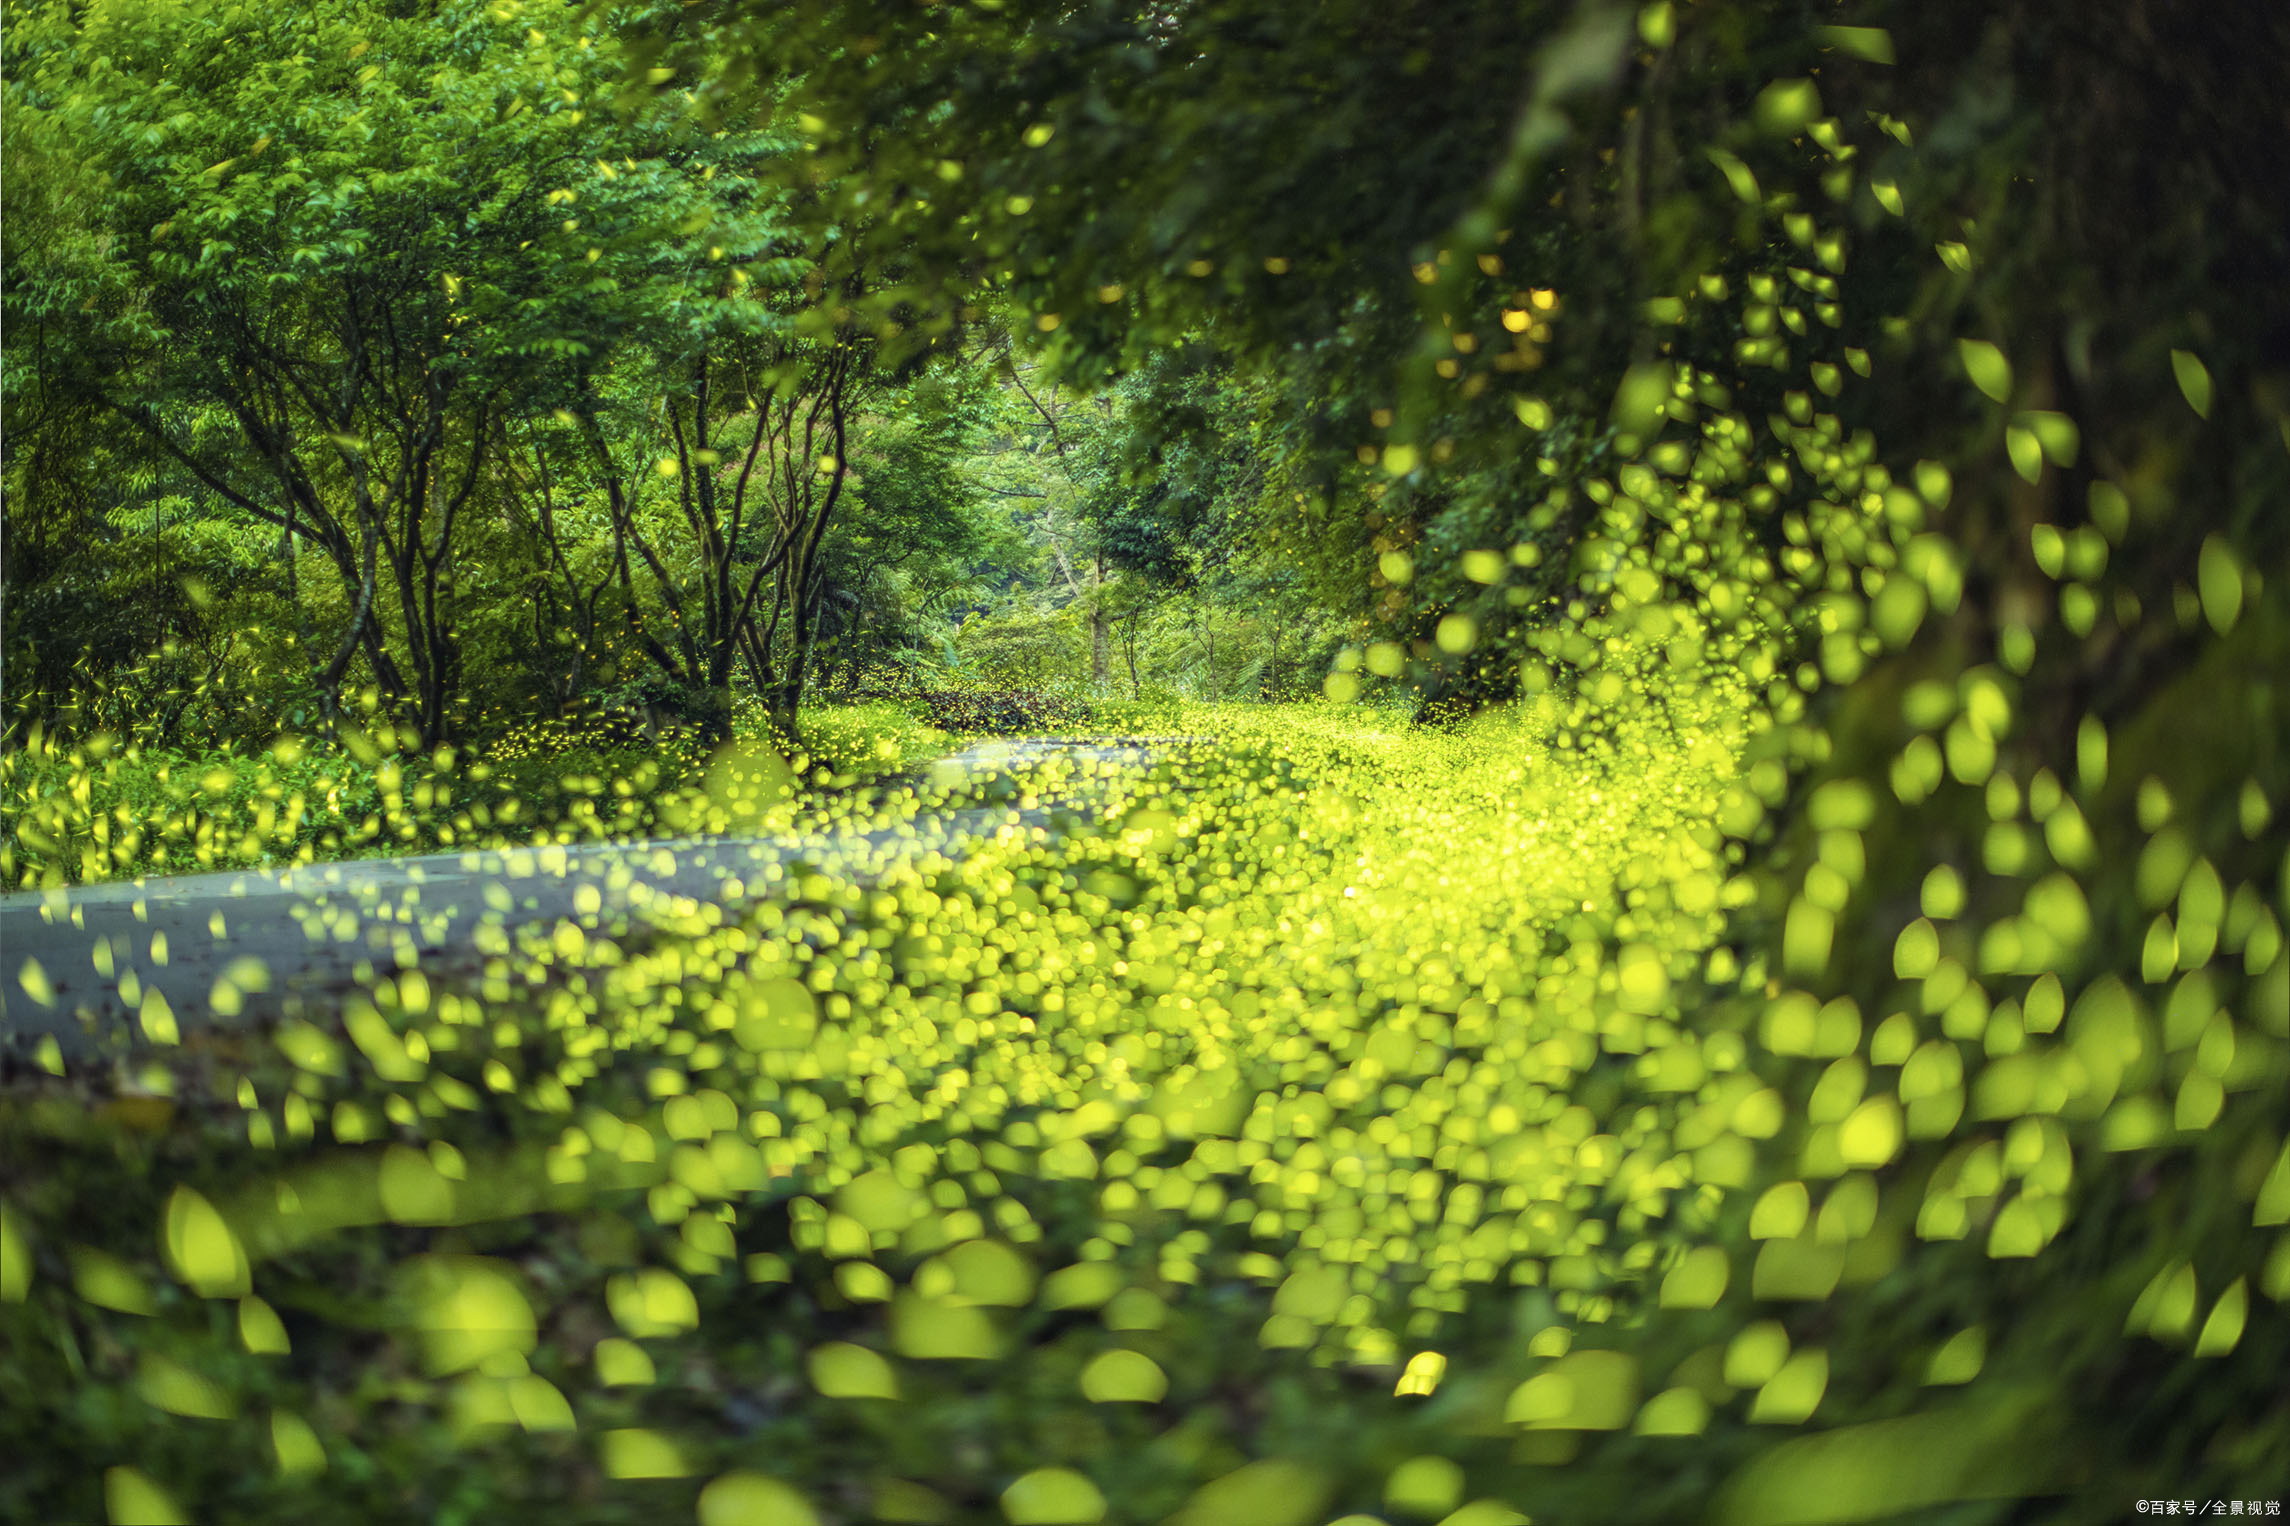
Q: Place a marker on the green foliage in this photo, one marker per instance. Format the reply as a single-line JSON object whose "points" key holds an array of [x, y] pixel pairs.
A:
{"points": [[305, 264], [399, 307], [1803, 1038], [1080, 1179], [89, 814]]}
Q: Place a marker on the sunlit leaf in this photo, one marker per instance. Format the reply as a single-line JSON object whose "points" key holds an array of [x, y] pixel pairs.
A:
{"points": [[132, 1497], [634, 1453], [295, 1445], [844, 1371], [15, 1258], [1987, 367], [753, 1499], [2194, 380], [1424, 1487], [1790, 1396], [1123, 1377], [1053, 1497], [1273, 1492], [1872, 44]]}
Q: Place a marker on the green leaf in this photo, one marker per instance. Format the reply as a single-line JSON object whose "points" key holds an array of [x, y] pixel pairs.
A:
{"points": [[1786, 106], [261, 1331], [2219, 577], [1123, 1377], [1424, 1487], [1959, 1358], [179, 1391], [413, 1190], [1791, 1395], [1699, 1279], [467, 1309], [2055, 432], [1486, 1512], [132, 1497], [991, 1273], [928, 1330], [1053, 1497], [1737, 174], [844, 1371], [1807, 937], [110, 1283], [1086, 1285], [638, 1453], [15, 1258], [2273, 1205], [35, 982], [1582, 1391], [1871, 44], [1870, 1136], [1674, 1412], [1756, 1354], [2027, 456], [1273, 1492], [295, 1445], [2018, 1231], [2166, 1310], [754, 1499], [622, 1364], [2194, 380], [1898, 610], [2223, 1330], [1987, 367]]}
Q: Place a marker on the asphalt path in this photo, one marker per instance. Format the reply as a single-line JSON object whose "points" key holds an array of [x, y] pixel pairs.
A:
{"points": [[148, 961]]}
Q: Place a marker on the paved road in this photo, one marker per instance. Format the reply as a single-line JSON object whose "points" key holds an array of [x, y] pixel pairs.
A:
{"points": [[148, 960]]}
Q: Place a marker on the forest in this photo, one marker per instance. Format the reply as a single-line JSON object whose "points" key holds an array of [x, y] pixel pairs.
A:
{"points": [[1197, 763]]}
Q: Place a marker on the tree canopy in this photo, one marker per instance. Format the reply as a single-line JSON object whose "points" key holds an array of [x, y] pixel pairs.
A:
{"points": [[1712, 947]]}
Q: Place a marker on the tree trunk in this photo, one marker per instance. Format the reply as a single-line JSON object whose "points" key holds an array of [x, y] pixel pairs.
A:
{"points": [[329, 703], [757, 657], [784, 702], [1100, 653], [715, 699]]}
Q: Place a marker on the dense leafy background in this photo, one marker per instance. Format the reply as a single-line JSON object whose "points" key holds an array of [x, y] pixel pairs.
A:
{"points": [[1747, 982]]}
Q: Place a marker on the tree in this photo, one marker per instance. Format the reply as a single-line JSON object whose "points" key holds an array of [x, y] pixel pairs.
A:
{"points": [[920, 534], [750, 423], [1062, 428], [316, 263]]}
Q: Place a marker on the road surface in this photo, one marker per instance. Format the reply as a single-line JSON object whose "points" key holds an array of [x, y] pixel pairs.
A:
{"points": [[106, 967]]}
